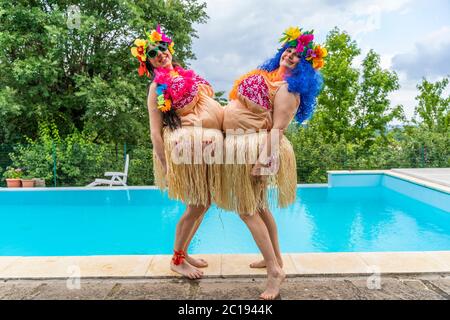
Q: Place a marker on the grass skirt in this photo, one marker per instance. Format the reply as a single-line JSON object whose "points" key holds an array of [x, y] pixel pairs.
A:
{"points": [[193, 165], [240, 191]]}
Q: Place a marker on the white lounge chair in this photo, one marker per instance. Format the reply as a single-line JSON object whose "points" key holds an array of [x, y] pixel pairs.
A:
{"points": [[117, 178]]}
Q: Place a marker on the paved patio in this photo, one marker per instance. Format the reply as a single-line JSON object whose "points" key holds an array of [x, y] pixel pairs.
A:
{"points": [[425, 287], [436, 175]]}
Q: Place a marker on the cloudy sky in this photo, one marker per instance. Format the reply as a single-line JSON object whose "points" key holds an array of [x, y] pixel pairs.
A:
{"points": [[412, 36]]}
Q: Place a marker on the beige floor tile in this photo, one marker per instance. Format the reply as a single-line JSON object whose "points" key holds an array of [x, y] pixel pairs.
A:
{"points": [[6, 261], [329, 263], [160, 267], [443, 257], [403, 262], [88, 266], [41, 267], [214, 268], [114, 266], [238, 264], [288, 264]]}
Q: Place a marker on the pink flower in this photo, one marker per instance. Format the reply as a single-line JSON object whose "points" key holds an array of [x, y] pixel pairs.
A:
{"points": [[305, 39], [300, 47], [164, 38]]}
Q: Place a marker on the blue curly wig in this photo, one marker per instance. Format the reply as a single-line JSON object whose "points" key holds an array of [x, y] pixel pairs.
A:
{"points": [[303, 80]]}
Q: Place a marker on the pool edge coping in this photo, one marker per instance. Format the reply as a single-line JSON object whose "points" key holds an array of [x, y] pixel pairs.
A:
{"points": [[224, 265], [389, 172]]}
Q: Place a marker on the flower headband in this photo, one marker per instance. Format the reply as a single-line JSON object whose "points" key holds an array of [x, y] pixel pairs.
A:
{"points": [[156, 38], [304, 45]]}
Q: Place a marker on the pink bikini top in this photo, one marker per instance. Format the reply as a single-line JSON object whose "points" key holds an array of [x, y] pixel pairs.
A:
{"points": [[178, 88], [258, 86], [181, 88]]}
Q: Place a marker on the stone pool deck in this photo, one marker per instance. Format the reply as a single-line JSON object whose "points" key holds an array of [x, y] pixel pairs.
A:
{"points": [[226, 265], [425, 287]]}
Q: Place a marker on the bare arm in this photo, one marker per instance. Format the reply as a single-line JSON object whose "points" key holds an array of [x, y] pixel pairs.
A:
{"points": [[284, 109], [156, 126]]}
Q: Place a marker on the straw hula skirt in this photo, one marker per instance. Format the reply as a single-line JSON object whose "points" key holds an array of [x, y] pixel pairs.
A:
{"points": [[193, 153], [240, 191]]}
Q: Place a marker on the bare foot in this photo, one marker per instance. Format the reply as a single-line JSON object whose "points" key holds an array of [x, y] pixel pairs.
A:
{"points": [[185, 269], [262, 264], [198, 263], [274, 282]]}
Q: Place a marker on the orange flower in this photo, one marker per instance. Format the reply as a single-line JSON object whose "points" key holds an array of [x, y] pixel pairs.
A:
{"points": [[320, 52], [317, 56], [166, 106], [318, 63], [155, 36]]}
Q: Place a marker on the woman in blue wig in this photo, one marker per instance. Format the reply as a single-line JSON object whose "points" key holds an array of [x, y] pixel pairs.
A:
{"points": [[260, 163]]}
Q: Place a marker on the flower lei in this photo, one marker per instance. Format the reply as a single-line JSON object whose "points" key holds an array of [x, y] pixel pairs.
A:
{"points": [[141, 45], [303, 43], [165, 94]]}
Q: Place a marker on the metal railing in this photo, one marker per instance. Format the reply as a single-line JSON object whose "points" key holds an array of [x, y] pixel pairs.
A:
{"points": [[76, 165]]}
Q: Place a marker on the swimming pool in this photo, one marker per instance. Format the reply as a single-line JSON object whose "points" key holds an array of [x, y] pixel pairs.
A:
{"points": [[358, 213]]}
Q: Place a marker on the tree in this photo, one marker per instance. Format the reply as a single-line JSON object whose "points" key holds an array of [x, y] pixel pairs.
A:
{"points": [[338, 96], [81, 75], [220, 98], [372, 111], [354, 103], [433, 109]]}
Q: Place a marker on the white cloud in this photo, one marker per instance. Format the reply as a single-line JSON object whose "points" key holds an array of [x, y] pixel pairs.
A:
{"points": [[430, 58], [240, 35]]}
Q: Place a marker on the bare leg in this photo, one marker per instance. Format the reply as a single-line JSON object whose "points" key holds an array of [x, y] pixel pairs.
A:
{"points": [[184, 228], [275, 274], [271, 226], [199, 263]]}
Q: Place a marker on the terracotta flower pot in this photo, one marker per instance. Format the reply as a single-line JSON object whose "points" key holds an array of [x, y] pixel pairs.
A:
{"points": [[13, 183], [27, 183]]}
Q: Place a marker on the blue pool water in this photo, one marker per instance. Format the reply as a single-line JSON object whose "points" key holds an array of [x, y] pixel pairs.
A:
{"points": [[112, 222]]}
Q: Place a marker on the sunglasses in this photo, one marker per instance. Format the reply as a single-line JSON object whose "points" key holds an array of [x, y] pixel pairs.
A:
{"points": [[163, 46]]}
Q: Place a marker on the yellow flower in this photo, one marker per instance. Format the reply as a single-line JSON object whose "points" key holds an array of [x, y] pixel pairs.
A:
{"points": [[139, 50], [292, 33], [171, 49], [140, 42], [155, 36]]}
